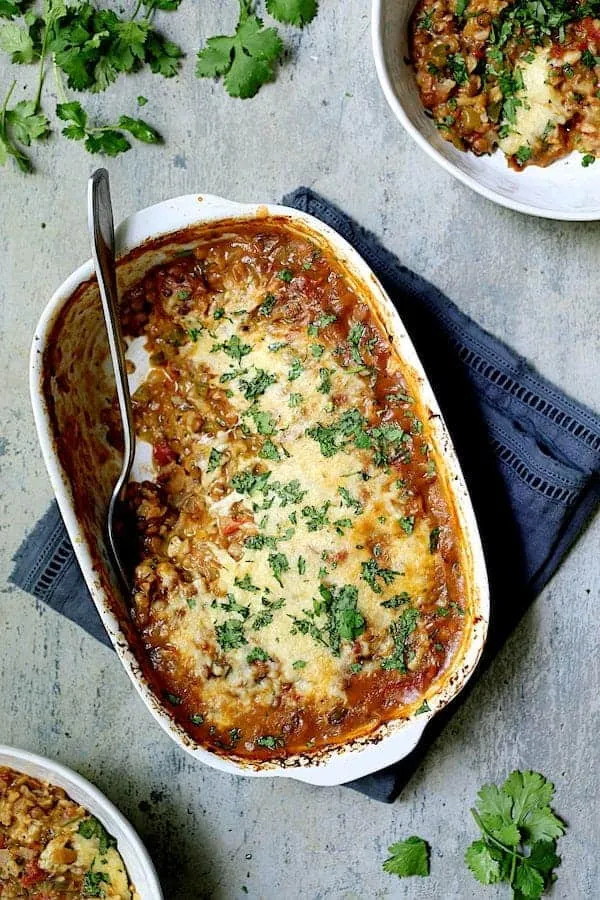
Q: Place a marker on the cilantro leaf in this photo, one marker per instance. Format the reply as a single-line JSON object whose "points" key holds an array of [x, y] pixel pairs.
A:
{"points": [[528, 791], [139, 129], [279, 565], [409, 857], [246, 59], [162, 55], [293, 12], [528, 881], [9, 9], [542, 825], [26, 124], [230, 634], [543, 856], [481, 863], [18, 42]]}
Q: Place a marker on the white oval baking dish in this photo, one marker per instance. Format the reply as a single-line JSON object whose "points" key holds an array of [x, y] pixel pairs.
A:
{"points": [[565, 190], [140, 867], [337, 765]]}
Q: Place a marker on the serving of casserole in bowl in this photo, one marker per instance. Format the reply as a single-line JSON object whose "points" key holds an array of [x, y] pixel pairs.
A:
{"points": [[308, 580], [504, 94], [61, 837]]}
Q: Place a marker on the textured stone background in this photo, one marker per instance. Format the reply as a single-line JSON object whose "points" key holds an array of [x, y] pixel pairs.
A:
{"points": [[323, 123]]}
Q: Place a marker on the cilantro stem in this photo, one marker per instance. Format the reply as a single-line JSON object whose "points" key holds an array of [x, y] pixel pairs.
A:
{"points": [[512, 851], [38, 94], [136, 10], [60, 88], [23, 161], [5, 104]]}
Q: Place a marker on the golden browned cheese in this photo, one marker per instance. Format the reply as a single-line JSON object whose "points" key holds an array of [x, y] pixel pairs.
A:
{"points": [[500, 73], [51, 848], [299, 576]]}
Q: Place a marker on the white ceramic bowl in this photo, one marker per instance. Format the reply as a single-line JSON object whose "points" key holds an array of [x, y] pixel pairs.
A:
{"points": [[67, 403], [140, 867], [565, 190]]}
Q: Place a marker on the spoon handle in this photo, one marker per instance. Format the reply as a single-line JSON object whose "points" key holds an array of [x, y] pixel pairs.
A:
{"points": [[102, 236]]}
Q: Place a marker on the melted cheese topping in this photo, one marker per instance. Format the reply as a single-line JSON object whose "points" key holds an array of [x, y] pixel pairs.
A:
{"points": [[541, 109], [299, 576]]}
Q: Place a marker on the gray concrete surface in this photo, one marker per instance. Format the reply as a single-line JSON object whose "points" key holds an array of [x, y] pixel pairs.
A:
{"points": [[324, 123]]}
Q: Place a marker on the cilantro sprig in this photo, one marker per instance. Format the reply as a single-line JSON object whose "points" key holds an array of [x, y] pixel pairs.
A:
{"points": [[519, 831], [246, 59], [89, 48]]}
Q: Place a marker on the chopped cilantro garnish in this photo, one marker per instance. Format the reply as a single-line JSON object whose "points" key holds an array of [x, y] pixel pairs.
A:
{"points": [[269, 450], [401, 630], [294, 400], [434, 539], [247, 482], [279, 565], [262, 620], [218, 313], [257, 654], [301, 565], [173, 699], [458, 68], [233, 347], [256, 386], [341, 524], [296, 370], [285, 275], [317, 350], [322, 322], [370, 572], [407, 523], [354, 338], [233, 606], [324, 385], [214, 460], [194, 333], [269, 741], [92, 883], [340, 605], [523, 154], [350, 501], [230, 634], [245, 584], [423, 708], [197, 719], [266, 307], [299, 664], [396, 601], [587, 160], [91, 827], [316, 518], [264, 421]]}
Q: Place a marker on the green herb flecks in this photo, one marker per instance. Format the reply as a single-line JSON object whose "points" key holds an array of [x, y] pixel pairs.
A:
{"points": [[372, 573], [401, 631]]}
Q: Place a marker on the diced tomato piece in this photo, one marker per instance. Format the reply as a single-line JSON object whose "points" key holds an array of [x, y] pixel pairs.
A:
{"points": [[33, 874], [230, 526], [163, 455]]}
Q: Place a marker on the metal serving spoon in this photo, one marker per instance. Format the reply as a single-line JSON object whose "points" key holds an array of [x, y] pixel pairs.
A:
{"points": [[102, 235]]}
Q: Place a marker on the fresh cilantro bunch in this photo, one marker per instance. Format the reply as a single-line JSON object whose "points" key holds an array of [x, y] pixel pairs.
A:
{"points": [[246, 60], [90, 47], [519, 833]]}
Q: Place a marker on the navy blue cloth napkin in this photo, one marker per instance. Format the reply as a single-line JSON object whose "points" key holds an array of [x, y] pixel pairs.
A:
{"points": [[530, 455]]}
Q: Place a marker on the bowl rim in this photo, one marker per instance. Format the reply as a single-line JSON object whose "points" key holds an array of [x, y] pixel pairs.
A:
{"points": [[385, 81], [62, 776], [344, 762]]}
